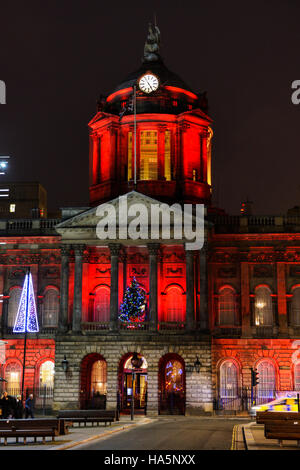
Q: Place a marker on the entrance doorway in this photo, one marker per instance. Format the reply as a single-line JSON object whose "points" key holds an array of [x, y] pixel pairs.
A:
{"points": [[172, 385], [93, 382], [133, 386]]}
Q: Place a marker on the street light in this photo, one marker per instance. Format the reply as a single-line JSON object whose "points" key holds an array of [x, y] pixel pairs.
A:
{"points": [[197, 365], [136, 363], [3, 164], [65, 364]]}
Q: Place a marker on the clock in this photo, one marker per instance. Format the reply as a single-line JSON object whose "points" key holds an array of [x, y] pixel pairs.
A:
{"points": [[148, 83]]}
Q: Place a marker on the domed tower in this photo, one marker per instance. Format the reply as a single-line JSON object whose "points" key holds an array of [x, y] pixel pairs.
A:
{"points": [[151, 134]]}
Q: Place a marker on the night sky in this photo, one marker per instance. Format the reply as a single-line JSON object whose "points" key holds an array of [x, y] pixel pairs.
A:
{"points": [[56, 57]]}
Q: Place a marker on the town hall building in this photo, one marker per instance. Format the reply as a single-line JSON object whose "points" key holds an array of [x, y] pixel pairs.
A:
{"points": [[211, 314]]}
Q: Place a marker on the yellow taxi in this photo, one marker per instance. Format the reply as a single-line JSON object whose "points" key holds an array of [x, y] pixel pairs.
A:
{"points": [[281, 404]]}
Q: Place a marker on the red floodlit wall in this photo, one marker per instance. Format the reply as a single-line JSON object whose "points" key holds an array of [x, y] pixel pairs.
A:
{"points": [[37, 352], [284, 354]]}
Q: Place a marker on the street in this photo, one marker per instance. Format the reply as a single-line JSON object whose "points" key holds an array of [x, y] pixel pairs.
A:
{"points": [[172, 433]]}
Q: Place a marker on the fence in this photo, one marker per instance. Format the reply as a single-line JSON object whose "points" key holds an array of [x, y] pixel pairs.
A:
{"points": [[242, 400], [43, 396]]}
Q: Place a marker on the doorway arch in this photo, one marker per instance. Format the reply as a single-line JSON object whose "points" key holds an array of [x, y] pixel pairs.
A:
{"points": [[93, 380], [130, 386], [171, 383]]}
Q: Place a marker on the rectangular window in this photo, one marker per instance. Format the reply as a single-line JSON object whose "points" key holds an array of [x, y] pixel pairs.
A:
{"points": [[129, 158], [12, 208], [148, 155], [168, 155]]}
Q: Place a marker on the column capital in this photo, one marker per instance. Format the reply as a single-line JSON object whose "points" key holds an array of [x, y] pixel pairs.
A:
{"points": [[153, 248], [189, 253], [114, 249], [79, 249], [65, 250]]}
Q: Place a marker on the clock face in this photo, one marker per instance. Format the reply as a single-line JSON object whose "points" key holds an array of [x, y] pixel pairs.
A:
{"points": [[148, 83]]}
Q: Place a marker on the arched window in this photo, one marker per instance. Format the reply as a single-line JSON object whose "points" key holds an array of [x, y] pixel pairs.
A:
{"points": [[129, 156], [13, 377], [168, 172], [174, 305], [51, 307], [13, 305], [228, 380], [295, 307], [227, 306], [263, 308], [98, 378], [101, 304], [267, 382], [47, 374], [297, 377], [148, 155]]}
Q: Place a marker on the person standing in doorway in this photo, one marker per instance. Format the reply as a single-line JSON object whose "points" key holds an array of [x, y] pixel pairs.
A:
{"points": [[29, 407]]}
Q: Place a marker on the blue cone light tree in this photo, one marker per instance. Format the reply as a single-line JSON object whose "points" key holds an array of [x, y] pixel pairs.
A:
{"points": [[26, 320], [133, 307]]}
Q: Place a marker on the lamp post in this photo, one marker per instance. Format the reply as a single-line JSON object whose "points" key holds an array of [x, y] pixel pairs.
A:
{"points": [[136, 363]]}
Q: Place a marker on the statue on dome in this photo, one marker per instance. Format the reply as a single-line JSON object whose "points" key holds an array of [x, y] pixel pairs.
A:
{"points": [[151, 48]]}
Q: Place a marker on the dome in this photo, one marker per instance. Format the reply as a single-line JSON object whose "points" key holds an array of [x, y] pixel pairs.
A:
{"points": [[158, 68]]}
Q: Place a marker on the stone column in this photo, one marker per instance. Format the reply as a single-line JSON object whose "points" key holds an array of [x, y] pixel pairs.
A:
{"points": [[77, 301], [64, 289], [245, 300], [5, 300], [204, 323], [114, 284], [190, 290], [153, 253], [281, 299]]}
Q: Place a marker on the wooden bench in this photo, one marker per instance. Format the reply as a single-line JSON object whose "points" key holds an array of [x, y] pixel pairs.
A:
{"points": [[280, 425], [89, 416], [16, 428]]}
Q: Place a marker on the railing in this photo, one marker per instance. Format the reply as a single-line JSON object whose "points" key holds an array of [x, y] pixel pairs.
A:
{"points": [[95, 326], [27, 225], [42, 395], [242, 400], [171, 326], [265, 331], [44, 330], [228, 332], [133, 326]]}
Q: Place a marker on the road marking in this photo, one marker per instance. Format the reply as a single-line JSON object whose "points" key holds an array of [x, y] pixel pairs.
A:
{"points": [[233, 442]]}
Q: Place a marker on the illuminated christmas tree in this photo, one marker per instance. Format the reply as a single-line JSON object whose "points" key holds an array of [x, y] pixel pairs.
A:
{"points": [[26, 320], [133, 307]]}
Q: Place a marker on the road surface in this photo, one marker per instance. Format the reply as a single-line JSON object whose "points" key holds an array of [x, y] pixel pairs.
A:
{"points": [[180, 433]]}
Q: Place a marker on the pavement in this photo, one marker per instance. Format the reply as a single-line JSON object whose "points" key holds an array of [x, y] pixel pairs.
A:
{"points": [[78, 435], [254, 439]]}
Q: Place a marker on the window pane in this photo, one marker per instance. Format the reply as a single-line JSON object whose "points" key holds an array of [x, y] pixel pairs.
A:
{"points": [[295, 317], [266, 385], [102, 305], [98, 378], [175, 310], [13, 305], [129, 153], [263, 307], [13, 377], [148, 155], [50, 308], [47, 374], [168, 155], [227, 307], [297, 377], [228, 380]]}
